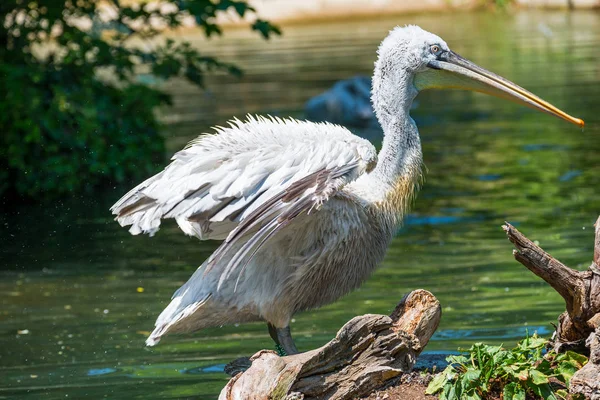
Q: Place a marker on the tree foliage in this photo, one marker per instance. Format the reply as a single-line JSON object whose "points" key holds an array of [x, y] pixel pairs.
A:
{"points": [[73, 115]]}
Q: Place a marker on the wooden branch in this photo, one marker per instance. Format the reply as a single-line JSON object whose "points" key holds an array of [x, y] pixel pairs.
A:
{"points": [[367, 352], [563, 279], [581, 290], [579, 326]]}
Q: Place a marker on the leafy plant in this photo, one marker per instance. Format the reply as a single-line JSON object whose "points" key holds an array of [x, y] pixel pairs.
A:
{"points": [[73, 115], [520, 373]]}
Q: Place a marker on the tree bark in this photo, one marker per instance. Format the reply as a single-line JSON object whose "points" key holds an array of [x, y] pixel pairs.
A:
{"points": [[366, 353], [579, 326], [586, 381], [579, 289]]}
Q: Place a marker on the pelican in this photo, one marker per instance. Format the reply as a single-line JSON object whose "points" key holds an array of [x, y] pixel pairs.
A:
{"points": [[305, 211]]}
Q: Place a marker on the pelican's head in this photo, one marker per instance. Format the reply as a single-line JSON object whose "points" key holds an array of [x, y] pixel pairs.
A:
{"points": [[428, 63]]}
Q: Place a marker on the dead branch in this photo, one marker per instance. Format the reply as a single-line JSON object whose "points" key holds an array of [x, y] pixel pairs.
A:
{"points": [[579, 289], [578, 326]]}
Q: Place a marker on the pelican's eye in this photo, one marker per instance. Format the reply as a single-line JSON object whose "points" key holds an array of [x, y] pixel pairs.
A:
{"points": [[435, 49]]}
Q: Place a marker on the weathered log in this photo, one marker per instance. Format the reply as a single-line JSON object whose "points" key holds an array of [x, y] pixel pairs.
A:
{"points": [[366, 353], [579, 289]]}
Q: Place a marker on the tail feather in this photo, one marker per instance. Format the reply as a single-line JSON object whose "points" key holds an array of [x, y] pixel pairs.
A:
{"points": [[174, 313]]}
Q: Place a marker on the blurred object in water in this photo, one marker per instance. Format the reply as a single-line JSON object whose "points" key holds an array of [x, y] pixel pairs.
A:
{"points": [[545, 30], [348, 103]]}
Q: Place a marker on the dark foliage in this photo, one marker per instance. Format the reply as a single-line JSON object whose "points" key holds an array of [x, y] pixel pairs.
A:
{"points": [[72, 115]]}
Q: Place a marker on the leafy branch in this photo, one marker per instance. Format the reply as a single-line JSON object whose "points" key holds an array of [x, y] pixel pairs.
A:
{"points": [[73, 115]]}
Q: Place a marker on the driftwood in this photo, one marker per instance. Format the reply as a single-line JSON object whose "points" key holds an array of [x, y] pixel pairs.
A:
{"points": [[579, 326], [367, 352]]}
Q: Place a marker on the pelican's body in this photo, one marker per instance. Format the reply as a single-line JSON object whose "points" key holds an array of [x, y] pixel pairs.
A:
{"points": [[326, 252], [306, 210]]}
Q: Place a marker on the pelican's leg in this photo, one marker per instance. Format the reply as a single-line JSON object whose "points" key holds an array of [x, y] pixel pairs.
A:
{"points": [[285, 340], [273, 334]]}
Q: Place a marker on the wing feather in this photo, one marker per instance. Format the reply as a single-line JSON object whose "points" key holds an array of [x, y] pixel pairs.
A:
{"points": [[302, 196], [246, 177]]}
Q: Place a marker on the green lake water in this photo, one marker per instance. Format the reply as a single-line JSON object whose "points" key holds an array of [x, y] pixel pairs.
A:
{"points": [[78, 294]]}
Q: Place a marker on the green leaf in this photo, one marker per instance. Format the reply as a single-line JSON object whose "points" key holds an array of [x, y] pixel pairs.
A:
{"points": [[265, 28], [537, 377], [565, 371], [545, 367], [437, 383], [469, 377], [500, 356], [211, 29], [444, 394], [533, 342], [492, 350], [543, 391], [523, 375], [513, 391], [241, 7], [462, 360], [453, 393], [579, 358]]}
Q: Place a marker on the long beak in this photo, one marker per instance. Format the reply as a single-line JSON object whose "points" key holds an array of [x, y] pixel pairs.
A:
{"points": [[453, 71]]}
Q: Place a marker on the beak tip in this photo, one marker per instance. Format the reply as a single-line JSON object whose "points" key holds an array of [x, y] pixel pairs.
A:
{"points": [[580, 122]]}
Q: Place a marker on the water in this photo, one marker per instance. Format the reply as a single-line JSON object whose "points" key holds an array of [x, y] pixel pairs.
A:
{"points": [[79, 294]]}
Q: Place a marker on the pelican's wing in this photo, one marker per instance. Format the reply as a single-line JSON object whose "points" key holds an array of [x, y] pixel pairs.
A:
{"points": [[302, 195], [253, 176]]}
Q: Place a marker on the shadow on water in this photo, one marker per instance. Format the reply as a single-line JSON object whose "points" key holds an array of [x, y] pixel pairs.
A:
{"points": [[79, 294]]}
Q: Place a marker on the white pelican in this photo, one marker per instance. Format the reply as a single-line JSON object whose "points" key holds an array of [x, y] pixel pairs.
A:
{"points": [[305, 210]]}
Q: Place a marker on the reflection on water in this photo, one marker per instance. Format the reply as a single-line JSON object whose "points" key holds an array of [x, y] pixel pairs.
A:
{"points": [[79, 294]]}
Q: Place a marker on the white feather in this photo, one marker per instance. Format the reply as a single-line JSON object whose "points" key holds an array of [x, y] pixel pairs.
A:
{"points": [[229, 174]]}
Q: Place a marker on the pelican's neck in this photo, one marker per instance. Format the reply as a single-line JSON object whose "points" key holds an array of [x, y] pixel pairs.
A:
{"points": [[400, 157], [390, 187]]}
